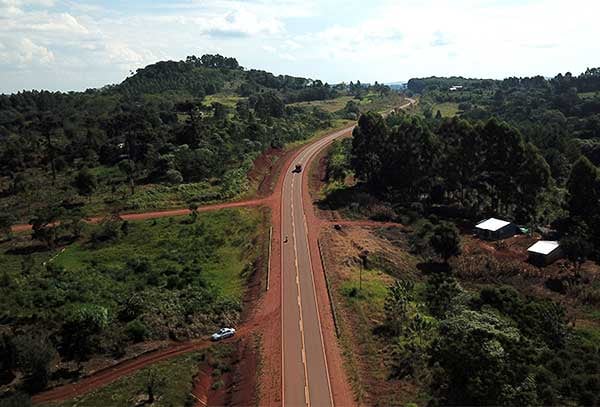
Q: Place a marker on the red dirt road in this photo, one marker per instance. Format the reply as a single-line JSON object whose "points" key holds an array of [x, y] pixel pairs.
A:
{"points": [[109, 375], [167, 213]]}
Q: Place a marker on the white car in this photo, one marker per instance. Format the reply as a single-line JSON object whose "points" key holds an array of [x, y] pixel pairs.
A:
{"points": [[223, 333]]}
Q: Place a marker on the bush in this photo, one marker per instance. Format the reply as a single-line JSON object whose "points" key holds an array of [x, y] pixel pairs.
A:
{"points": [[137, 331], [108, 231], [173, 177], [34, 354], [382, 213], [16, 400]]}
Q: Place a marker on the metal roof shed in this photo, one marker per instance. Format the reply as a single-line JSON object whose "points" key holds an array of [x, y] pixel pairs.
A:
{"points": [[495, 229], [544, 252]]}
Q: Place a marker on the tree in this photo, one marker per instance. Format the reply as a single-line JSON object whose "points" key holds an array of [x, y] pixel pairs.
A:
{"points": [[154, 382], [462, 156], [409, 157], [583, 187], [128, 168], [45, 225], [577, 249], [442, 294], [80, 329], [48, 125], [34, 355], [411, 350], [85, 182], [174, 177], [6, 222], [193, 207], [220, 111], [503, 155], [396, 306], [368, 143], [533, 179], [445, 240], [74, 222], [479, 356]]}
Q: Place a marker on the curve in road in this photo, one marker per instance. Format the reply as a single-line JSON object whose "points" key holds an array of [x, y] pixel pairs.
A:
{"points": [[305, 372], [304, 362]]}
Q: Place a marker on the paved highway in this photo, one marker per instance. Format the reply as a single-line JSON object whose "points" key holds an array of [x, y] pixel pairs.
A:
{"points": [[304, 362], [305, 374]]}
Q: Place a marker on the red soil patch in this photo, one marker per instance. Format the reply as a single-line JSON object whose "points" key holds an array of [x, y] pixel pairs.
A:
{"points": [[243, 383], [202, 385]]}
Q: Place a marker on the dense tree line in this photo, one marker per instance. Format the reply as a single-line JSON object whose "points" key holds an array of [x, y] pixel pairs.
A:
{"points": [[561, 115], [484, 167], [475, 169], [154, 127]]}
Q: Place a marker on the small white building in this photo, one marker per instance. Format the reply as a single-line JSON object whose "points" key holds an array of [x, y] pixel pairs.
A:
{"points": [[544, 252], [495, 229], [455, 88]]}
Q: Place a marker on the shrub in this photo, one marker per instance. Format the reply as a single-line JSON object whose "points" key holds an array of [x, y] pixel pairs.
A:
{"points": [[137, 331], [382, 213], [173, 177], [108, 231], [34, 354]]}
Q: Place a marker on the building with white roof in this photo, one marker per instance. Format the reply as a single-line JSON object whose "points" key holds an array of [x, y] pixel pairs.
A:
{"points": [[544, 252], [494, 229]]}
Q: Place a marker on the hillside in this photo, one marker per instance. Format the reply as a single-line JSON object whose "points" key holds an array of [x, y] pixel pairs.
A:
{"points": [[172, 134]]}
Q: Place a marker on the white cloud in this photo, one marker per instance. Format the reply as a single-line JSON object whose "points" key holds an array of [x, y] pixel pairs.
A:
{"points": [[25, 53], [333, 40], [63, 22]]}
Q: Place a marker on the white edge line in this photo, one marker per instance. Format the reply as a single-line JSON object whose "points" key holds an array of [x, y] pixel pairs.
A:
{"points": [[301, 152], [312, 272]]}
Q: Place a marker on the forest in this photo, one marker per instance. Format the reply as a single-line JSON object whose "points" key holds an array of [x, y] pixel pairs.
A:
{"points": [[517, 149], [162, 130], [464, 325]]}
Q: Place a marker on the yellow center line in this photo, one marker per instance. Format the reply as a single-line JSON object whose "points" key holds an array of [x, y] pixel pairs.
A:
{"points": [[301, 321]]}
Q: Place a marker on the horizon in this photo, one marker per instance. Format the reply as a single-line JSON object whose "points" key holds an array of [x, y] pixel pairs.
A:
{"points": [[67, 46]]}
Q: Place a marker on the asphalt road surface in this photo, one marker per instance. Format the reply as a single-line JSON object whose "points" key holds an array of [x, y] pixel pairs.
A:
{"points": [[305, 373]]}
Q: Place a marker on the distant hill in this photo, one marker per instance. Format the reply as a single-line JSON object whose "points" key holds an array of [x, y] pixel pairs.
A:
{"points": [[210, 74]]}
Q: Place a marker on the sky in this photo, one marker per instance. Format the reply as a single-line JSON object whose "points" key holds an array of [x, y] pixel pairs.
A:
{"points": [[74, 45]]}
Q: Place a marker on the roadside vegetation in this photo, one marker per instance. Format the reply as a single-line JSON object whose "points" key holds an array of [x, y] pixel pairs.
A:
{"points": [[466, 322], [468, 330], [74, 300], [169, 383]]}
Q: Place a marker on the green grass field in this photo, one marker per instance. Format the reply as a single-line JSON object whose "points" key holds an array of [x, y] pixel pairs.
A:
{"points": [[447, 109], [228, 100], [336, 124], [188, 276], [168, 242], [588, 95], [178, 373], [331, 105]]}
